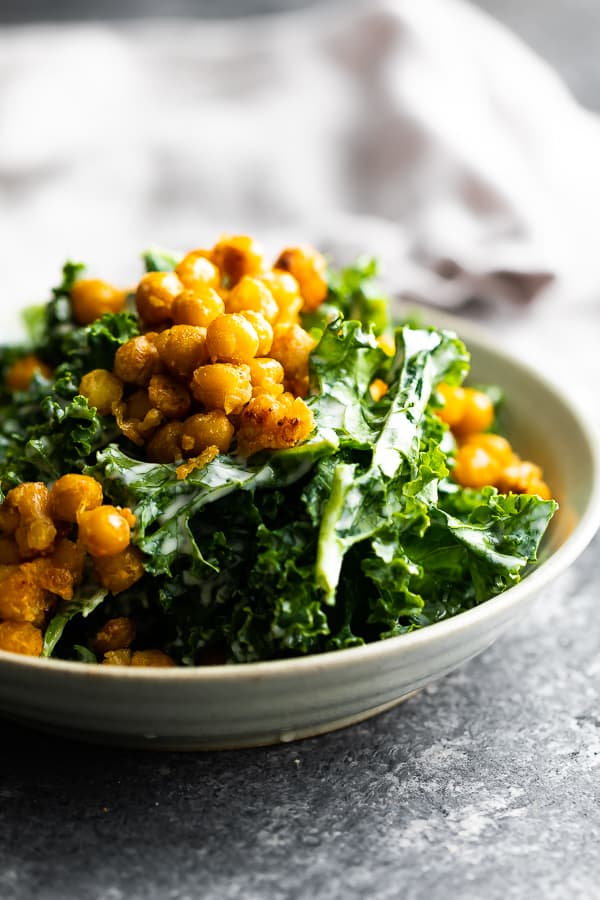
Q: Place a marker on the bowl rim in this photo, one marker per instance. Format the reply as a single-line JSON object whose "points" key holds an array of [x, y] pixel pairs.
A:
{"points": [[545, 572]]}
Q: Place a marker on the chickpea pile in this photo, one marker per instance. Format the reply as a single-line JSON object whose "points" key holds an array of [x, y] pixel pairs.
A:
{"points": [[222, 355], [484, 458], [46, 538]]}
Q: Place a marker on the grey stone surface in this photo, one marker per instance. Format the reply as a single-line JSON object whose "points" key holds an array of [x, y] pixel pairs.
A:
{"points": [[485, 785]]}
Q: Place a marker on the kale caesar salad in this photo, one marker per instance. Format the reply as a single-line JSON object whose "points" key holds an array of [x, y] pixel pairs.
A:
{"points": [[238, 461]]}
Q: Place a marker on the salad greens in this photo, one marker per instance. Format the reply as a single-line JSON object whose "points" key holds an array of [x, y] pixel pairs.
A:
{"points": [[355, 535]]}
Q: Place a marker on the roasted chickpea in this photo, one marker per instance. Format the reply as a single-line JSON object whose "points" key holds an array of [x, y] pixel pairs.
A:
{"points": [[117, 658], [21, 373], [273, 423], [494, 444], [291, 347], [116, 634], [378, 389], [170, 397], [36, 532], [104, 531], [91, 298], [475, 467], [263, 330], [137, 361], [237, 256], [182, 349], [523, 477], [286, 292], [138, 404], [454, 403], [478, 413], [165, 445], [102, 389], [155, 295], [197, 307], [231, 338], [309, 269], [151, 658], [21, 637], [267, 376], [22, 596], [196, 271], [222, 386], [210, 429], [72, 494], [120, 571], [252, 294]]}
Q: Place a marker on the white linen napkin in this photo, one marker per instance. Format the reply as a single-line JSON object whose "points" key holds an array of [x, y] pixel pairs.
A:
{"points": [[420, 130]]}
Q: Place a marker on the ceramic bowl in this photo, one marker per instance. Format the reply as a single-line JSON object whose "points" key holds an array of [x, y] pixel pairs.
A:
{"points": [[264, 703]]}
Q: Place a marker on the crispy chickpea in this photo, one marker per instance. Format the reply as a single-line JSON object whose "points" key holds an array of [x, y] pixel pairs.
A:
{"points": [[117, 658], [72, 494], [21, 637], [137, 361], [197, 307], [237, 256], [182, 349], [378, 389], [22, 597], [36, 531], [523, 477], [116, 634], [120, 571], [60, 572], [263, 330], [206, 430], [222, 386], [9, 552], [454, 403], [267, 376], [291, 347], [273, 423], [155, 295], [475, 467], [169, 396], [91, 298], [102, 389], [494, 444], [231, 338], [252, 293], [165, 445], [104, 531], [21, 373], [138, 404], [478, 413], [151, 658], [309, 269], [286, 292], [196, 271]]}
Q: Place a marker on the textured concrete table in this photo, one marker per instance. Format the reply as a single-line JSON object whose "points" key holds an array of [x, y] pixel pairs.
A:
{"points": [[485, 785]]}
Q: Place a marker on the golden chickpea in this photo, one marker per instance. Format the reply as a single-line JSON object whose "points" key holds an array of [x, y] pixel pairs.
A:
{"points": [[36, 532], [523, 477], [22, 597], [197, 307], [210, 429], [137, 361], [291, 347], [165, 445], [170, 397], [104, 531], [222, 386], [478, 413], [72, 494], [182, 349], [494, 444], [286, 292], [252, 293], [116, 634], [91, 298], [237, 256], [195, 271], [273, 423], [102, 389], [151, 658], [454, 403], [267, 374], [378, 389], [20, 374], [263, 330], [21, 637], [155, 295], [231, 338], [309, 269], [117, 658], [475, 468], [118, 572]]}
